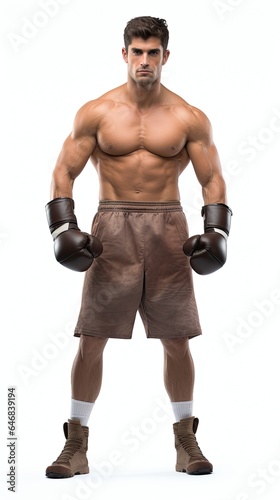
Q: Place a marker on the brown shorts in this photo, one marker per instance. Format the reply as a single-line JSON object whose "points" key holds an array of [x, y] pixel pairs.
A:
{"points": [[142, 268]]}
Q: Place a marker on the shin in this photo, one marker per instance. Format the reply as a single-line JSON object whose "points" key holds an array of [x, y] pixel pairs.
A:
{"points": [[178, 369], [86, 376]]}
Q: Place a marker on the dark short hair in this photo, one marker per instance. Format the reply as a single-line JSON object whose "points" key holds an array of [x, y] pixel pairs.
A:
{"points": [[146, 27]]}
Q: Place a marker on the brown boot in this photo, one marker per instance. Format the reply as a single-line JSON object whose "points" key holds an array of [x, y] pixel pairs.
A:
{"points": [[72, 460], [189, 455]]}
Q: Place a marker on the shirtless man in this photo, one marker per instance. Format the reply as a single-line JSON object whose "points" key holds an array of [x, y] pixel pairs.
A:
{"points": [[140, 137]]}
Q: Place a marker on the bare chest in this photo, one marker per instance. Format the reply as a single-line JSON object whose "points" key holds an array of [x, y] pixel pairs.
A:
{"points": [[125, 132]]}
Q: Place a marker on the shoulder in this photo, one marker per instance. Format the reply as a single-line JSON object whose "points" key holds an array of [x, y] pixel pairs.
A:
{"points": [[191, 114], [197, 122], [192, 117], [90, 114], [92, 111]]}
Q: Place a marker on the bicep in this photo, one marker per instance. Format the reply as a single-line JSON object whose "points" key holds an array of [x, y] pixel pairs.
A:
{"points": [[205, 160], [76, 151], [206, 163], [72, 159], [74, 155]]}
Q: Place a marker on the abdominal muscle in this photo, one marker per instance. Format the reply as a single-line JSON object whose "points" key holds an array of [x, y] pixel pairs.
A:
{"points": [[139, 176]]}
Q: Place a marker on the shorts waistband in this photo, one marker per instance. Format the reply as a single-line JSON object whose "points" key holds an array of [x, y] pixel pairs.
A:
{"points": [[139, 206]]}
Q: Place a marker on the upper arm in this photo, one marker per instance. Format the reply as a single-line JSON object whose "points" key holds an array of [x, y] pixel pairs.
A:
{"points": [[76, 151], [205, 159]]}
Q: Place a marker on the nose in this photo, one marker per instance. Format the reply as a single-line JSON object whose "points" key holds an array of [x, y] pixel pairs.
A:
{"points": [[144, 62]]}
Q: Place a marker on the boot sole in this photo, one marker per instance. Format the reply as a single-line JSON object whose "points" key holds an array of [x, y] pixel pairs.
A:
{"points": [[59, 475], [199, 472]]}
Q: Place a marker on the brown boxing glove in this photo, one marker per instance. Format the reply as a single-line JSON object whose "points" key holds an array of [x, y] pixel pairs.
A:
{"points": [[73, 248], [208, 252]]}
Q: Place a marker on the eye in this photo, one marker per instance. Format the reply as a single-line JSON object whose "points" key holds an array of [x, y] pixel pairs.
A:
{"points": [[154, 52], [137, 52]]}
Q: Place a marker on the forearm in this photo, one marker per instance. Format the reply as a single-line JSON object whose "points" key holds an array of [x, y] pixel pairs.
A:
{"points": [[214, 191], [61, 185]]}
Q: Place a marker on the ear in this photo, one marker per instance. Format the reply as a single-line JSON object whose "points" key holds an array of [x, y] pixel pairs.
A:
{"points": [[124, 54], [165, 57]]}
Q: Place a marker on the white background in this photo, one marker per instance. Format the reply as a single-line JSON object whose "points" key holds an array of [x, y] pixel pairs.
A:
{"points": [[55, 56]]}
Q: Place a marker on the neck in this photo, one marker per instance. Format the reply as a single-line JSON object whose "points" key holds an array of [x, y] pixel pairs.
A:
{"points": [[144, 95]]}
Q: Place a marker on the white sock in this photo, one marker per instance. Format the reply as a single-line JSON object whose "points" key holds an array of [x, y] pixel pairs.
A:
{"points": [[81, 410], [182, 409]]}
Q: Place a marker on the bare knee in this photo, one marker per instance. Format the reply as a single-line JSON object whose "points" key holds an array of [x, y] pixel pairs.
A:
{"points": [[91, 347], [177, 348]]}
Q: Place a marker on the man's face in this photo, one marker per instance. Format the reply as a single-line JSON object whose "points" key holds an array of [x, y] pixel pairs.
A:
{"points": [[145, 59]]}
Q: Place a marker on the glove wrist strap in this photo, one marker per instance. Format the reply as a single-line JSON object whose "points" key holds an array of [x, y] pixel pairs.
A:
{"points": [[60, 211], [60, 229], [220, 231], [217, 217]]}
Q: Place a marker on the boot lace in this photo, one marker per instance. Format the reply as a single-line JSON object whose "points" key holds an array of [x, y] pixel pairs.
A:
{"points": [[69, 450], [190, 445]]}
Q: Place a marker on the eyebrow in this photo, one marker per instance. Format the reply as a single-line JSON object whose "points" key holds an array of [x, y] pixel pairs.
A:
{"points": [[142, 50]]}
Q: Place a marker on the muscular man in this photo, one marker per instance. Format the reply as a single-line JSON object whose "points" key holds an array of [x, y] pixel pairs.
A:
{"points": [[140, 137]]}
